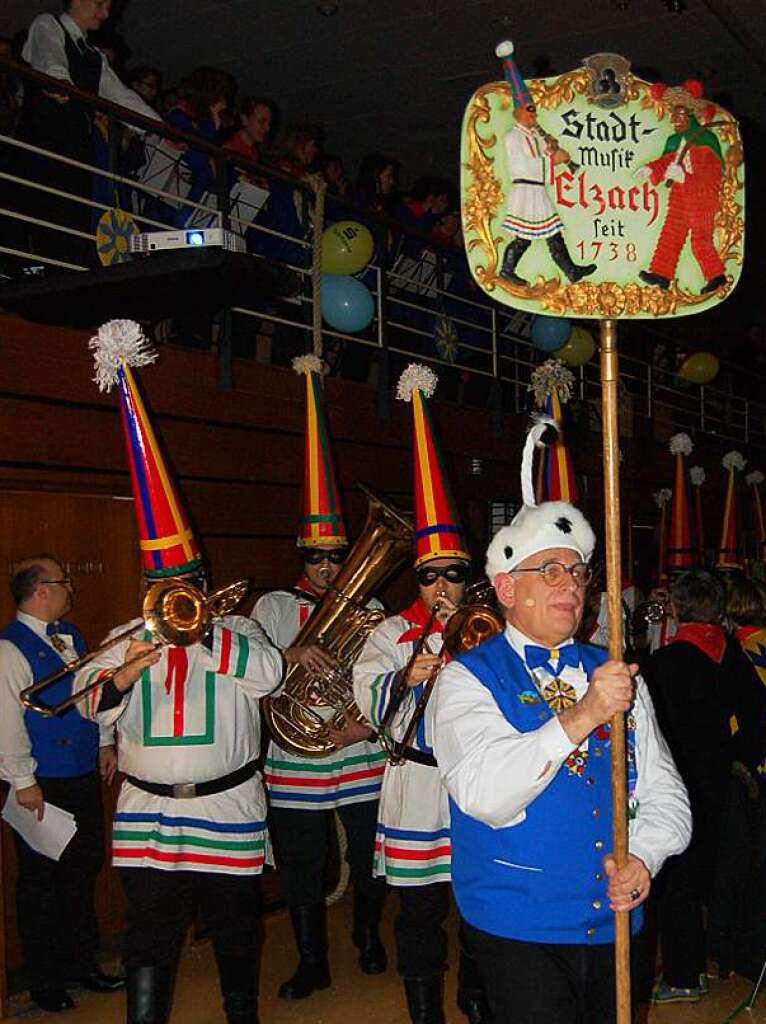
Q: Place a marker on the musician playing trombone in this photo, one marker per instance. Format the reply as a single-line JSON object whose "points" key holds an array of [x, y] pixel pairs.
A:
{"points": [[190, 823], [400, 657]]}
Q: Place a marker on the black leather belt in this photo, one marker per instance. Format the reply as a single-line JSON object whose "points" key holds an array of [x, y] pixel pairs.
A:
{"points": [[187, 790], [418, 756], [526, 181]]}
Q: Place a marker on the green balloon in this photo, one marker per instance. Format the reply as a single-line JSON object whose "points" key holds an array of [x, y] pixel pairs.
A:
{"points": [[578, 350], [699, 368], [347, 248]]}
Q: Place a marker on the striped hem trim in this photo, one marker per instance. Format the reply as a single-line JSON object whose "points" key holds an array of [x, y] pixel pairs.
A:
{"points": [[318, 798], [182, 822], [126, 835], [334, 782], [313, 766], [120, 853], [539, 229]]}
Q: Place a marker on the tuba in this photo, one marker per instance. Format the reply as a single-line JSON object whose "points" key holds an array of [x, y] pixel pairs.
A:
{"points": [[340, 624]]}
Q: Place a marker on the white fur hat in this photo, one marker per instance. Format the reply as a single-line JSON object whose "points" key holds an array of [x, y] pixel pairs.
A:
{"points": [[554, 524]]}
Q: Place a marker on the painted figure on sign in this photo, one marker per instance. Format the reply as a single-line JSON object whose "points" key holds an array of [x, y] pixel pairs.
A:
{"points": [[531, 155], [692, 167]]}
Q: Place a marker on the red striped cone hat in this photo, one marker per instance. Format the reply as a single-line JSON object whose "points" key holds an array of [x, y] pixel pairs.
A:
{"points": [[728, 549], [680, 552], [553, 524], [168, 546], [322, 523], [754, 480], [661, 499], [697, 477], [513, 76], [438, 533]]}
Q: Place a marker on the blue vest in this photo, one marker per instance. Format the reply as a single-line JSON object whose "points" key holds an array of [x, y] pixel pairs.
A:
{"points": [[541, 880], [66, 745]]}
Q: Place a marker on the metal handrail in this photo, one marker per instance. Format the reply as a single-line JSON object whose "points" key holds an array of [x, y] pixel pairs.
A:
{"points": [[508, 356]]}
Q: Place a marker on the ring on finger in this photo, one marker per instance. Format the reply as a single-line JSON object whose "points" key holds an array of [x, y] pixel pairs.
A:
{"points": [[635, 894]]}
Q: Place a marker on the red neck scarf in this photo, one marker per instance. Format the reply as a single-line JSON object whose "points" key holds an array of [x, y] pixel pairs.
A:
{"points": [[706, 636], [305, 584], [743, 632], [418, 615]]}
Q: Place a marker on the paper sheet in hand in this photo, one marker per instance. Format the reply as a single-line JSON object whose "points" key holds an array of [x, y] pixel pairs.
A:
{"points": [[51, 836]]}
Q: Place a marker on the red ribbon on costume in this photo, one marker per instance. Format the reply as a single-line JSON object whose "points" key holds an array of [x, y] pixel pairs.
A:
{"points": [[178, 668], [418, 615]]}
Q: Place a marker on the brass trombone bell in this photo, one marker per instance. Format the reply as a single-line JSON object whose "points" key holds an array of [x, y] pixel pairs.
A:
{"points": [[176, 613]]}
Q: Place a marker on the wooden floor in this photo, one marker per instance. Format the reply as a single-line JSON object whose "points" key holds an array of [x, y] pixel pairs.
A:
{"points": [[352, 997]]}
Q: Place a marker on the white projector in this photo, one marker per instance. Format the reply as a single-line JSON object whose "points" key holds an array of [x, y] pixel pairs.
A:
{"points": [[156, 241]]}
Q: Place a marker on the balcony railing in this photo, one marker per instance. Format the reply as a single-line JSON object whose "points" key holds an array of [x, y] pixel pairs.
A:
{"points": [[419, 287]]}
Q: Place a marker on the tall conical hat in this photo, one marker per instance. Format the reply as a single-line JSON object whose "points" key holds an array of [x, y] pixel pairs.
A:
{"points": [[697, 477], [168, 546], [661, 499], [729, 556], [754, 480], [438, 533], [322, 521], [552, 524], [513, 76], [680, 552]]}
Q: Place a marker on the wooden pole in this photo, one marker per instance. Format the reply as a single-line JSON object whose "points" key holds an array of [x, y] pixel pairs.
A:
{"points": [[609, 407]]}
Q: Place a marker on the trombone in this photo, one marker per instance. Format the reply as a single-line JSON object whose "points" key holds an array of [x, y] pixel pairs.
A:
{"points": [[176, 613]]}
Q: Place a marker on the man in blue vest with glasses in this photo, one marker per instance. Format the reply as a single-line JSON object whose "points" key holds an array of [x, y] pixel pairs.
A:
{"points": [[54, 760], [522, 740]]}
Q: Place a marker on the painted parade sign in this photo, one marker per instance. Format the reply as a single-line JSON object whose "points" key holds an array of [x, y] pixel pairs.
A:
{"points": [[596, 194]]}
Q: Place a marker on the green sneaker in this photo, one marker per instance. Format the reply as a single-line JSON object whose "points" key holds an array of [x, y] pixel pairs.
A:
{"points": [[664, 993]]}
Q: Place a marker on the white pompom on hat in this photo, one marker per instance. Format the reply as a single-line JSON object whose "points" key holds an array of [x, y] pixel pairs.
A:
{"points": [[553, 524]]}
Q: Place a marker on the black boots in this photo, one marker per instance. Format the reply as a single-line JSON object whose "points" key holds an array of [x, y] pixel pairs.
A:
{"points": [[513, 253], [424, 999], [149, 992], [238, 975], [471, 997], [560, 256], [311, 938], [649, 277], [367, 911]]}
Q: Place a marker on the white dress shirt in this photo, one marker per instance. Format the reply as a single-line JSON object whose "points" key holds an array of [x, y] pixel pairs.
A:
{"points": [[493, 772], [45, 50], [17, 765]]}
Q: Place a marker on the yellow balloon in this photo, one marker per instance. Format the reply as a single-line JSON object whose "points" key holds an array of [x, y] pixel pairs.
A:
{"points": [[347, 247], [579, 348], [699, 368]]}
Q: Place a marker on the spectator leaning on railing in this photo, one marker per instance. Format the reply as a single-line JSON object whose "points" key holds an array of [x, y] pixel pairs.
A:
{"points": [[58, 46]]}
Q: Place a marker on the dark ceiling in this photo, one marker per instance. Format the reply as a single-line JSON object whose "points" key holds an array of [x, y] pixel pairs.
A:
{"points": [[396, 75]]}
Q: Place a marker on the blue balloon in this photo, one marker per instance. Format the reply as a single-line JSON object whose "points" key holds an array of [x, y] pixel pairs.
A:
{"points": [[347, 304], [550, 332]]}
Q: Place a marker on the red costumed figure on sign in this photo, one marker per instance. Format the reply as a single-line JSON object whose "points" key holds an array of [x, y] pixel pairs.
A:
{"points": [[692, 166]]}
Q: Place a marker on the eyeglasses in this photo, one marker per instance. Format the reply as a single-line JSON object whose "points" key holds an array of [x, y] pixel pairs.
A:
{"points": [[553, 572], [458, 572], [315, 556], [65, 582]]}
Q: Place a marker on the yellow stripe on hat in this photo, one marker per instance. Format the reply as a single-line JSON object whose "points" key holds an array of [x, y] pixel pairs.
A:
{"points": [[170, 492], [171, 541]]}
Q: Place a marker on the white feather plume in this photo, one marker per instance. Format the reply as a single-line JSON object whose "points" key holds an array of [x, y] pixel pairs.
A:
{"points": [[307, 364], [697, 475], [119, 343], [681, 444], [754, 478], [504, 49], [662, 497], [734, 460], [539, 426], [416, 377], [551, 376]]}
